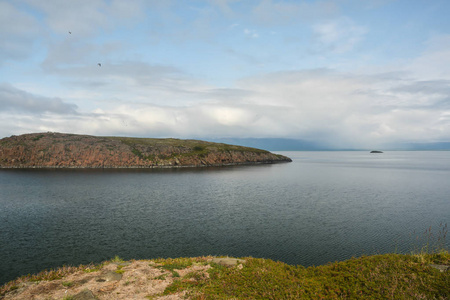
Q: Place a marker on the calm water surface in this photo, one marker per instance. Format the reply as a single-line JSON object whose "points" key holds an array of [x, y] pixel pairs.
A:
{"points": [[324, 206]]}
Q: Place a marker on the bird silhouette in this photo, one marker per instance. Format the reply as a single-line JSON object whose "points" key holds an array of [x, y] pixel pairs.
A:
{"points": [[99, 64], [70, 32]]}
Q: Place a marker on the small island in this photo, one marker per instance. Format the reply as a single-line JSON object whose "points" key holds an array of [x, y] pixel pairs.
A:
{"points": [[63, 150], [376, 151]]}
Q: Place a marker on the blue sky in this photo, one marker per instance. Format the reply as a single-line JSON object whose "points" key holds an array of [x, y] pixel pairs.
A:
{"points": [[342, 73]]}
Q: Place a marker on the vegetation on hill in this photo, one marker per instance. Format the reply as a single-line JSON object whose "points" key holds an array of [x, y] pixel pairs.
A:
{"points": [[389, 276], [82, 151]]}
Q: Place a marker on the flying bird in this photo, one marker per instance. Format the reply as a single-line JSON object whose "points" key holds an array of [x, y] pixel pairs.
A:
{"points": [[99, 64], [70, 32]]}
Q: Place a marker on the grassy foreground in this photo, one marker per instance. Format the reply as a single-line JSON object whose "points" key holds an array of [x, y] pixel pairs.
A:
{"points": [[387, 276]]}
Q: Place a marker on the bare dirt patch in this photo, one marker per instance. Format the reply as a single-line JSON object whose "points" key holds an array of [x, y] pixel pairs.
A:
{"points": [[136, 279]]}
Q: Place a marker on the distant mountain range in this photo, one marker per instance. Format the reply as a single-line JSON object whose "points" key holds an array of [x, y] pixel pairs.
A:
{"points": [[274, 144], [281, 144]]}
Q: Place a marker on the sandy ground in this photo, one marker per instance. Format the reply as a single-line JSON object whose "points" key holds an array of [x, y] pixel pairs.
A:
{"points": [[137, 279]]}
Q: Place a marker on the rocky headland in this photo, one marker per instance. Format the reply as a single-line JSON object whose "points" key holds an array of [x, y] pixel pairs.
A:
{"points": [[62, 150]]}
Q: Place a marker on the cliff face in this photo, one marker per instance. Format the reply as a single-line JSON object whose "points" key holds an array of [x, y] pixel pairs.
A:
{"points": [[82, 151]]}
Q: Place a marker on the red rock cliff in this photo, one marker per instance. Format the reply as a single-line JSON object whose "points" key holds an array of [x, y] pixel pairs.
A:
{"points": [[82, 151]]}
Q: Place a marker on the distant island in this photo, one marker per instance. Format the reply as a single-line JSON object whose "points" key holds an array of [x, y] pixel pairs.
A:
{"points": [[376, 151], [63, 150]]}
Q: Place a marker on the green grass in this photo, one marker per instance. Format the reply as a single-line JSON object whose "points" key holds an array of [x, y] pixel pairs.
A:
{"points": [[37, 138], [193, 145], [161, 277], [182, 284], [137, 152], [385, 276], [136, 144], [119, 270], [67, 283], [14, 287], [175, 264], [93, 268], [117, 259], [388, 276], [198, 148]]}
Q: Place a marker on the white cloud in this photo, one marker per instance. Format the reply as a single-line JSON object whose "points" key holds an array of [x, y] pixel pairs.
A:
{"points": [[353, 110], [434, 62], [134, 82], [169, 93], [13, 99], [251, 33], [330, 107], [338, 36]]}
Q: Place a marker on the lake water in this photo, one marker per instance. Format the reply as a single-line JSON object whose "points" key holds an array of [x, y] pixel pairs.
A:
{"points": [[322, 207]]}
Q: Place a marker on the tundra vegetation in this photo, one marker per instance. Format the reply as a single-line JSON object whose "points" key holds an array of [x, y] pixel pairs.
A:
{"points": [[62, 150], [386, 276]]}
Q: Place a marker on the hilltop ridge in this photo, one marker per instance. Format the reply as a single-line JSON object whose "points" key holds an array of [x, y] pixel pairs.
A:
{"points": [[64, 150]]}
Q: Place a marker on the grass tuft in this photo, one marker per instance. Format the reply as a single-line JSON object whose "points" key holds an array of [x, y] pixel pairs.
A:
{"points": [[117, 259], [172, 264], [67, 283]]}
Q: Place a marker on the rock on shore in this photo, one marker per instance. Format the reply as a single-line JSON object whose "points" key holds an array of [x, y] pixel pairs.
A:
{"points": [[61, 150]]}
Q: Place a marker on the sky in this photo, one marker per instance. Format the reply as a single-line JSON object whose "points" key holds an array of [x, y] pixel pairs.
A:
{"points": [[340, 73]]}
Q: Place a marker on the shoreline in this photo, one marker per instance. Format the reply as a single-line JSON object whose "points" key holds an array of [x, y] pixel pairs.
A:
{"points": [[422, 275], [151, 167]]}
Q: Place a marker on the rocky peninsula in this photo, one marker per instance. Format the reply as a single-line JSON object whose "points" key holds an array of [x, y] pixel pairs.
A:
{"points": [[63, 150]]}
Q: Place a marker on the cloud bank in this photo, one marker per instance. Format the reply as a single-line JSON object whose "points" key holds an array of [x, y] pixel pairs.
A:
{"points": [[218, 69]]}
